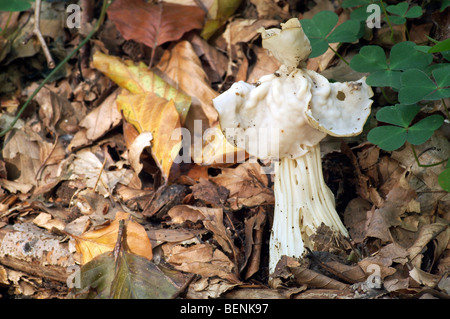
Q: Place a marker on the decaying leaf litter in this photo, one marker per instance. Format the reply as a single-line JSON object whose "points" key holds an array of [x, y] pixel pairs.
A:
{"points": [[88, 175]]}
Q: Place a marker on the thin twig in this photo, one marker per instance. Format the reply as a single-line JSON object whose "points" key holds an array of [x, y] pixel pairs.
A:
{"points": [[38, 34], [60, 65]]}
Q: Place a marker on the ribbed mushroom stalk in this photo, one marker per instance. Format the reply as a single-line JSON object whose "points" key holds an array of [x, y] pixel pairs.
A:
{"points": [[302, 107]]}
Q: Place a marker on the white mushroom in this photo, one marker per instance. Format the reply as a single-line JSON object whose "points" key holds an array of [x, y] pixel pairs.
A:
{"points": [[301, 107]]}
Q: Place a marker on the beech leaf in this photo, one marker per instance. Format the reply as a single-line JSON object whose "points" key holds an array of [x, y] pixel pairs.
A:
{"points": [[154, 24], [98, 241]]}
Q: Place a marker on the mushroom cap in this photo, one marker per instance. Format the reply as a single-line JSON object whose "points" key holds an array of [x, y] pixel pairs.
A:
{"points": [[287, 111], [268, 118], [338, 109], [289, 45]]}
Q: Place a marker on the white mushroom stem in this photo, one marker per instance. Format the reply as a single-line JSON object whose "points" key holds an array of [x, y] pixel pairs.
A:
{"points": [[303, 203]]}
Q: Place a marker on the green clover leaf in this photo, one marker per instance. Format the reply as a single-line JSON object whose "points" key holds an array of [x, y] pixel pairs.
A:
{"points": [[319, 28], [402, 11], [392, 137], [416, 85], [403, 56]]}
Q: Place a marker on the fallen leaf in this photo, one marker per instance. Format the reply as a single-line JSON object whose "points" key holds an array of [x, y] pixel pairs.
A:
{"points": [[426, 234], [265, 64], [151, 113], [98, 241], [210, 193], [424, 278], [270, 9], [46, 221], [182, 68], [248, 185], [201, 259], [135, 150], [154, 23], [98, 122], [218, 14], [212, 219], [138, 79], [120, 274], [87, 167], [313, 279]]}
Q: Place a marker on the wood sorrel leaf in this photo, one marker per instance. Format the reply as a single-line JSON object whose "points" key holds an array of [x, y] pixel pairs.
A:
{"points": [[346, 32], [317, 28], [388, 138], [404, 55], [420, 132], [370, 58], [399, 114], [415, 86]]}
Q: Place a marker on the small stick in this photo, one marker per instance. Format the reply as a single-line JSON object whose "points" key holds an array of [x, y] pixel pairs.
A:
{"points": [[38, 34]]}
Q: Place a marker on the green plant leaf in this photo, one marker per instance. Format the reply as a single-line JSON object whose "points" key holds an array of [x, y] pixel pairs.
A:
{"points": [[442, 76], [440, 47], [317, 29], [402, 11], [404, 55], [384, 78], [396, 19], [15, 5], [414, 12], [320, 25], [369, 59], [345, 32], [398, 9], [355, 3], [444, 5], [399, 114], [415, 85], [420, 132], [388, 138]]}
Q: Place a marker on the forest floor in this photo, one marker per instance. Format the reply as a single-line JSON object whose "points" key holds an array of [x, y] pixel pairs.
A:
{"points": [[86, 155]]}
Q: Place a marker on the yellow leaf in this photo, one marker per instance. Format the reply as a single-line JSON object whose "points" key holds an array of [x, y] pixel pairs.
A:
{"points": [[99, 241], [151, 113], [138, 79], [182, 66]]}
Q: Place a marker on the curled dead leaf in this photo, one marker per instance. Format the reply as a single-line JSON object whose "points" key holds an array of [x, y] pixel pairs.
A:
{"points": [[98, 241]]}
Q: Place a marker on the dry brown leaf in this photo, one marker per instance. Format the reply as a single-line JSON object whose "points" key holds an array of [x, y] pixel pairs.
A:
{"points": [[135, 150], [181, 67], [88, 168], [151, 113], [210, 193], [154, 23], [98, 241], [247, 185], [212, 219], [355, 218], [265, 64], [254, 227], [98, 122], [46, 221], [216, 62], [201, 259], [270, 9], [426, 234], [305, 276]]}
